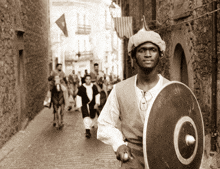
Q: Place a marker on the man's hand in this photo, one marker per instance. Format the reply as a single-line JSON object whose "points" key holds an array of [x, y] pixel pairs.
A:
{"points": [[123, 153], [96, 106]]}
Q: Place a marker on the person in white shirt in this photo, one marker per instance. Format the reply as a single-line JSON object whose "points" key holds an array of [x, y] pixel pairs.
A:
{"points": [[88, 99], [121, 121]]}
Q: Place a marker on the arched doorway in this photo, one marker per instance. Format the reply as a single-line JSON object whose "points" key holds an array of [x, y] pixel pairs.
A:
{"points": [[180, 65]]}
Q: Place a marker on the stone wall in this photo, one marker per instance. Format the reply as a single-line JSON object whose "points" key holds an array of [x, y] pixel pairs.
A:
{"points": [[23, 26], [137, 9], [36, 25], [195, 38]]}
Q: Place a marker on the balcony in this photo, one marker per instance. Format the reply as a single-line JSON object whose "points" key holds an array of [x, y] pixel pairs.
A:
{"points": [[85, 55], [83, 29]]}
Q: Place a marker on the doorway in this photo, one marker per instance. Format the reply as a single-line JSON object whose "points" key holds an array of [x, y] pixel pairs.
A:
{"points": [[180, 65]]}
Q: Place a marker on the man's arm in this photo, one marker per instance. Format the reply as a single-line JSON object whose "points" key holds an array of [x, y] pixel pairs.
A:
{"points": [[97, 99], [107, 123], [79, 99]]}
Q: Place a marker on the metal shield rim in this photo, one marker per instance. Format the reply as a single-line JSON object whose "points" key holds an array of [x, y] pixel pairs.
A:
{"points": [[147, 117]]}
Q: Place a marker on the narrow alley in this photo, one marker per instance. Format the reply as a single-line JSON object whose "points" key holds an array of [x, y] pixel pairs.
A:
{"points": [[41, 146]]}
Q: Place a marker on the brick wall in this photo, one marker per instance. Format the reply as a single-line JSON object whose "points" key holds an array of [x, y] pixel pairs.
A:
{"points": [[30, 17]]}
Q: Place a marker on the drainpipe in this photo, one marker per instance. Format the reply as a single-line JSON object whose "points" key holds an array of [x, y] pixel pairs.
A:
{"points": [[214, 80]]}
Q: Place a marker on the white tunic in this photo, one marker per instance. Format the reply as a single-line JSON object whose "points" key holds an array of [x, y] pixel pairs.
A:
{"points": [[89, 93], [88, 122], [107, 121]]}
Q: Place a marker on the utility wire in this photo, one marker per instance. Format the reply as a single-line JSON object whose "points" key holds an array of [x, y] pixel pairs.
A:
{"points": [[187, 11]]}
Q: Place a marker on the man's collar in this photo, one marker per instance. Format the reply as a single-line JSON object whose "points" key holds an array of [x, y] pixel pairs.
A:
{"points": [[84, 84], [152, 89]]}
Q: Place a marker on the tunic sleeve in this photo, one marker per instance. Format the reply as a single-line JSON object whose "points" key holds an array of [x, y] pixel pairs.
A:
{"points": [[78, 101], [79, 98], [79, 93], [95, 90], [107, 131], [97, 99]]}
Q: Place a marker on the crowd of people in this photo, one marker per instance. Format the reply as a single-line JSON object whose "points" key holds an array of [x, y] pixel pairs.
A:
{"points": [[88, 93]]}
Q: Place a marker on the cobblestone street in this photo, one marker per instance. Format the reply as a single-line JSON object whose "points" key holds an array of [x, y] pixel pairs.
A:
{"points": [[42, 146]]}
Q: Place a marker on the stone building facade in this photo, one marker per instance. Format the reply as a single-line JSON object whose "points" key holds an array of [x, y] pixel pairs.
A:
{"points": [[186, 27], [24, 63]]}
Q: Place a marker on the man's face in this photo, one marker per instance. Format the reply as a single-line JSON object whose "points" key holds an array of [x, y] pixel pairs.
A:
{"points": [[147, 56], [88, 80], [59, 67], [96, 68]]}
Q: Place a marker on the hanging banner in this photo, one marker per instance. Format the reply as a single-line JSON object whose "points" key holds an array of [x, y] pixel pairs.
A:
{"points": [[123, 26]]}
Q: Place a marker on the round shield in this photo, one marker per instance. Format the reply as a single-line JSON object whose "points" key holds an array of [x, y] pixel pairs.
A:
{"points": [[173, 134]]}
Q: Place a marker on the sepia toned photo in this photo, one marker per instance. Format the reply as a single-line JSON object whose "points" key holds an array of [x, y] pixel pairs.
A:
{"points": [[109, 84]]}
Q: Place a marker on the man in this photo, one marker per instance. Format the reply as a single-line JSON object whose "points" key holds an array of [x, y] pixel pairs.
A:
{"points": [[88, 98], [58, 72], [83, 78], [73, 84], [97, 78], [96, 74], [129, 100]]}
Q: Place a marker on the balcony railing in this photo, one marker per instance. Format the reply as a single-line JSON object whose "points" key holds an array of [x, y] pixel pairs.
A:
{"points": [[80, 56], [70, 58], [85, 55], [83, 29]]}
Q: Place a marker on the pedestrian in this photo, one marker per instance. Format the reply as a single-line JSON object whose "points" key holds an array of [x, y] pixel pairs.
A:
{"points": [[128, 101], [88, 99], [97, 77], [96, 74], [73, 85], [58, 72], [83, 78]]}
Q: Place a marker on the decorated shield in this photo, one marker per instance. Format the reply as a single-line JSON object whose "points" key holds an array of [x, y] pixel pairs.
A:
{"points": [[173, 134]]}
